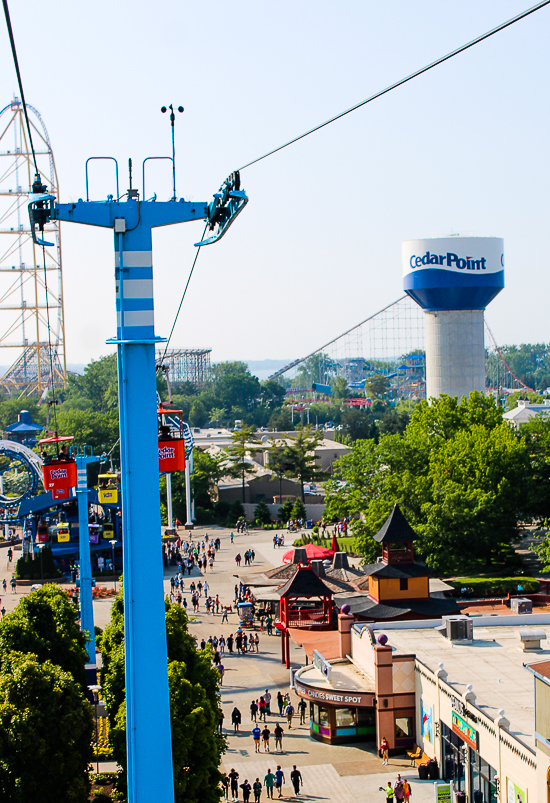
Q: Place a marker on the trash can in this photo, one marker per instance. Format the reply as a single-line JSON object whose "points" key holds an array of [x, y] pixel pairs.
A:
{"points": [[460, 797], [433, 771], [423, 772]]}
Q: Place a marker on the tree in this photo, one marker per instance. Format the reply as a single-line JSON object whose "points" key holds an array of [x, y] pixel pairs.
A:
{"points": [[235, 386], [298, 510], [377, 386], [358, 424], [284, 513], [262, 514], [194, 705], [45, 732], [460, 475], [279, 463], [340, 388], [243, 445], [97, 388], [198, 415], [301, 456], [44, 623]]}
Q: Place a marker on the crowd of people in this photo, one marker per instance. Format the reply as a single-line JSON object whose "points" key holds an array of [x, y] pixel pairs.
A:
{"points": [[272, 780]]}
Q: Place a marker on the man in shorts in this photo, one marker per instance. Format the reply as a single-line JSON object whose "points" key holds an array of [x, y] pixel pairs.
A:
{"points": [[256, 733], [266, 733], [278, 733], [279, 780]]}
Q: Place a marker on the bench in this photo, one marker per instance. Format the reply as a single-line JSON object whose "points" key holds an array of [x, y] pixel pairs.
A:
{"points": [[417, 756]]}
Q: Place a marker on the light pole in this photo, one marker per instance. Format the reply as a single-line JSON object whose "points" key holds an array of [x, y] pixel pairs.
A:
{"points": [[40, 548], [172, 123], [113, 544], [95, 692]]}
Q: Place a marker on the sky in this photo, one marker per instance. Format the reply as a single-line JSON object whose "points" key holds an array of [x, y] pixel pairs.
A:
{"points": [[462, 149]]}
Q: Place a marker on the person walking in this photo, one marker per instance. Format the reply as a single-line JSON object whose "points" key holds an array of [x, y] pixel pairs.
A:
{"points": [[230, 643], [398, 789], [278, 733], [302, 708], [236, 719], [269, 782], [279, 780], [225, 786], [384, 747], [233, 778], [389, 792], [267, 698], [256, 733], [289, 713], [253, 711], [266, 733], [257, 642], [220, 721], [280, 702], [246, 790], [263, 708], [224, 614], [257, 789], [296, 778], [406, 791]]}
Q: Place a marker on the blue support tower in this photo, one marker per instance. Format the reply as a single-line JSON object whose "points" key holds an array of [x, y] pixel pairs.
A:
{"points": [[86, 597], [148, 737]]}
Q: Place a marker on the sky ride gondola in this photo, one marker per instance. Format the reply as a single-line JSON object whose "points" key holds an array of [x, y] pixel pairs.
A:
{"points": [[107, 492], [59, 472], [171, 441], [63, 532]]}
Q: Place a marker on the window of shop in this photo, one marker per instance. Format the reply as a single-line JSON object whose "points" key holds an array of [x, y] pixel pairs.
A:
{"points": [[345, 717], [483, 780], [404, 584], [403, 728], [323, 717], [454, 757]]}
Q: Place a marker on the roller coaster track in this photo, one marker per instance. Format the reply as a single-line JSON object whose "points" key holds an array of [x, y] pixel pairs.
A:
{"points": [[19, 456]]}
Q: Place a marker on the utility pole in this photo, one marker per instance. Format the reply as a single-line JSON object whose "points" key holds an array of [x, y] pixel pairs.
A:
{"points": [[148, 734], [83, 458]]}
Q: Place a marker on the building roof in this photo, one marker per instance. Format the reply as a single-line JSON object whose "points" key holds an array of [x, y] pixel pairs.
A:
{"points": [[542, 669], [305, 583], [367, 607], [396, 529], [492, 663], [398, 571]]}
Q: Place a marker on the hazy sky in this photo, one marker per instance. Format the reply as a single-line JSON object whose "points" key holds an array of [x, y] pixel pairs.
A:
{"points": [[463, 149]]}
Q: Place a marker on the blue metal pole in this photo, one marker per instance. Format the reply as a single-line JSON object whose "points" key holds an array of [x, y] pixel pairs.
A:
{"points": [[86, 604], [148, 731]]}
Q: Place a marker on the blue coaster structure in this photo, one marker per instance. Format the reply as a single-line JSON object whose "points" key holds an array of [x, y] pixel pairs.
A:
{"points": [[148, 737]]}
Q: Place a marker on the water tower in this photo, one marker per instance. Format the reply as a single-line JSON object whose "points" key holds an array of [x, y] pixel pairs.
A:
{"points": [[453, 279]]}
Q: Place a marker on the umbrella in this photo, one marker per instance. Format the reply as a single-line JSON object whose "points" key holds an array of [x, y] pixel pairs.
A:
{"points": [[313, 552]]}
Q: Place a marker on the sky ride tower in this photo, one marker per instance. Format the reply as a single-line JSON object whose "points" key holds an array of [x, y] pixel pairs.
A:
{"points": [[32, 329], [453, 279]]}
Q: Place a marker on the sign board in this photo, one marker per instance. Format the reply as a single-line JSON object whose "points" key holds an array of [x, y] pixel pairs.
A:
{"points": [[465, 731], [100, 563], [343, 698], [464, 255], [514, 794], [322, 665], [443, 792]]}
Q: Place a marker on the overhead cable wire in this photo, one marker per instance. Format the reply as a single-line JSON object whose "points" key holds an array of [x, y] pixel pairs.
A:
{"points": [[385, 91], [184, 292], [19, 81]]}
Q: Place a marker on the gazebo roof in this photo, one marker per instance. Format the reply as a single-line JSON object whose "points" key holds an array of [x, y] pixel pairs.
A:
{"points": [[396, 529], [305, 583]]}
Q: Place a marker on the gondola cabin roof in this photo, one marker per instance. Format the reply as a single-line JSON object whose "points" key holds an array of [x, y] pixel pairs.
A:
{"points": [[396, 529]]}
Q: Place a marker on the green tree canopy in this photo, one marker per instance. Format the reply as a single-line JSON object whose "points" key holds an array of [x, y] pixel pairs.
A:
{"points": [[45, 732], [460, 475], [194, 705], [301, 457], [243, 445], [44, 623]]}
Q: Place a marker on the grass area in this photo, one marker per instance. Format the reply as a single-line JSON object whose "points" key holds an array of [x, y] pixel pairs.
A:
{"points": [[495, 586], [345, 543]]}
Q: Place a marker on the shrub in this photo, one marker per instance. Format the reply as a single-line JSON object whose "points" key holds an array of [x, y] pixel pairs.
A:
{"points": [[496, 586], [262, 514]]}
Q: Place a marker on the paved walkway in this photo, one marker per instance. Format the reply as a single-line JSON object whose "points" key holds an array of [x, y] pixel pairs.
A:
{"points": [[339, 773]]}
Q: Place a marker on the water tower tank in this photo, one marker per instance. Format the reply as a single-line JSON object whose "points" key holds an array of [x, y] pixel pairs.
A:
{"points": [[453, 279]]}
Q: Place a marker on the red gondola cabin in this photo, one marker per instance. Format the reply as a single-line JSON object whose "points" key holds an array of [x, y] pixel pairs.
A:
{"points": [[171, 442], [59, 471]]}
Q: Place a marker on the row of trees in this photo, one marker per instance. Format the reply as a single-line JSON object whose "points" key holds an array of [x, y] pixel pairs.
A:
{"points": [[463, 478], [193, 682]]}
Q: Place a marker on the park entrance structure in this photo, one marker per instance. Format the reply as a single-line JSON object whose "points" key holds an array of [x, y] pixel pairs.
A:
{"points": [[32, 334]]}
